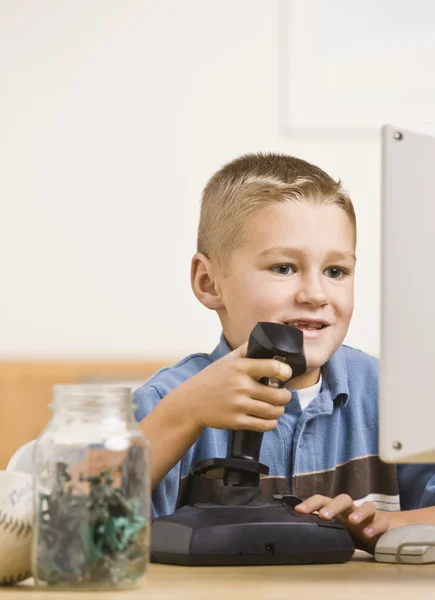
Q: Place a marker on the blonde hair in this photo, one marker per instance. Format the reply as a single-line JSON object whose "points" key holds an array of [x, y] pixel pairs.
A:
{"points": [[254, 181]]}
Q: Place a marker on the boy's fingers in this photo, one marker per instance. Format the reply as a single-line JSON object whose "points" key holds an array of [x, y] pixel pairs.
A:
{"points": [[328, 507], [279, 397], [261, 367], [376, 527], [341, 504], [313, 503], [263, 410], [268, 367], [255, 424], [239, 352], [363, 512]]}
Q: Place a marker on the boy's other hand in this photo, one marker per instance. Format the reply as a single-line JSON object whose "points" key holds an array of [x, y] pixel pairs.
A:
{"points": [[228, 395], [363, 522]]}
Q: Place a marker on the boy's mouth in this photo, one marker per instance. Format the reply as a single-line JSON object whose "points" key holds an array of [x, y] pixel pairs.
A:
{"points": [[308, 325]]}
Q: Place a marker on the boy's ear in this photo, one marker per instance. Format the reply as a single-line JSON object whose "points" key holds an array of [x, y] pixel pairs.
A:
{"points": [[204, 279]]}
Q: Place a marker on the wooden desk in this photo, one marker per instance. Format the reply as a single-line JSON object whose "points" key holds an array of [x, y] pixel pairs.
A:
{"points": [[362, 578]]}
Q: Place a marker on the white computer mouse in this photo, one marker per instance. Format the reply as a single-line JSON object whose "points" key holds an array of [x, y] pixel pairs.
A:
{"points": [[412, 544]]}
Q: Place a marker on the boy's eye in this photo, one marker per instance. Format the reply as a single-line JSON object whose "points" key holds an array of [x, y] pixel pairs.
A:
{"points": [[283, 269], [335, 272]]}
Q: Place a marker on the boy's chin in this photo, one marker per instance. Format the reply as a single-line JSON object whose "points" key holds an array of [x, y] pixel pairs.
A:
{"points": [[316, 358]]}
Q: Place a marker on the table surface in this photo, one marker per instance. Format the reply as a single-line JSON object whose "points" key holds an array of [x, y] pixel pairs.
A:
{"points": [[360, 578]]}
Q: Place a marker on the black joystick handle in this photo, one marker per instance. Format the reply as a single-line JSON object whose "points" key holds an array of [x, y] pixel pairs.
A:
{"points": [[241, 467], [267, 340]]}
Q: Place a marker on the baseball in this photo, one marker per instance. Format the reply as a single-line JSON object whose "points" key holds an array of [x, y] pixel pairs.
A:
{"points": [[16, 519]]}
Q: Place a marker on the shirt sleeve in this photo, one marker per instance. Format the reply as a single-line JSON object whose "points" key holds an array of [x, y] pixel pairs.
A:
{"points": [[145, 399], [164, 496], [416, 485]]}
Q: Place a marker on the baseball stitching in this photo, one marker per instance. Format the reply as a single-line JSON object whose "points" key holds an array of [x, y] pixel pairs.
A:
{"points": [[14, 579], [16, 526], [20, 530]]}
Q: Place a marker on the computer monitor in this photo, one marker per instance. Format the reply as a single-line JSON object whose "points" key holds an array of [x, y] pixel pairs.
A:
{"points": [[407, 360]]}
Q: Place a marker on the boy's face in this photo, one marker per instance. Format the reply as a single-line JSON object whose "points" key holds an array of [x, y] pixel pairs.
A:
{"points": [[295, 266]]}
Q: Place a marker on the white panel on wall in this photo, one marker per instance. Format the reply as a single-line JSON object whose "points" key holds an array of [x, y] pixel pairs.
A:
{"points": [[350, 67]]}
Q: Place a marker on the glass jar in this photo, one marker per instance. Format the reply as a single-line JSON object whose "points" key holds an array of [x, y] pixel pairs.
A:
{"points": [[92, 492]]}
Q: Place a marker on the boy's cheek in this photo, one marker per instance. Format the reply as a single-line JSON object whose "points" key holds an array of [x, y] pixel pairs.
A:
{"points": [[265, 308]]}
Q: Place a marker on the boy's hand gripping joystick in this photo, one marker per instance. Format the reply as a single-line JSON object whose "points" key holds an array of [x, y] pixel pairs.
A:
{"points": [[241, 466], [267, 340], [240, 527]]}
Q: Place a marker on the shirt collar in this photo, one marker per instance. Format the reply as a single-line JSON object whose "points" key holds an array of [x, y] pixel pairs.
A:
{"points": [[334, 371], [221, 349]]}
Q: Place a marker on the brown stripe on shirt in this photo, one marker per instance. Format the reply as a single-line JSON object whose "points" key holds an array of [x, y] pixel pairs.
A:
{"points": [[358, 478], [198, 489]]}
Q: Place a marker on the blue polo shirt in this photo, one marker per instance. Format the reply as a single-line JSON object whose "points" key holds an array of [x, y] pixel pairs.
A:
{"points": [[329, 448]]}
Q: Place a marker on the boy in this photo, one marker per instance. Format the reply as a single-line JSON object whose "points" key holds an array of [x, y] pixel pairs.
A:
{"points": [[276, 242]]}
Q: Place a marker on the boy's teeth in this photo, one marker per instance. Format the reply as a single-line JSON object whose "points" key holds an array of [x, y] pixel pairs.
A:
{"points": [[303, 325]]}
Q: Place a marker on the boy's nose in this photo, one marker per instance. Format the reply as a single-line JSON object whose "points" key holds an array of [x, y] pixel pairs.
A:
{"points": [[311, 292]]}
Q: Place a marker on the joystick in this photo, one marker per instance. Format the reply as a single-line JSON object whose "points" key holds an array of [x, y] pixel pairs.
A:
{"points": [[239, 527]]}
